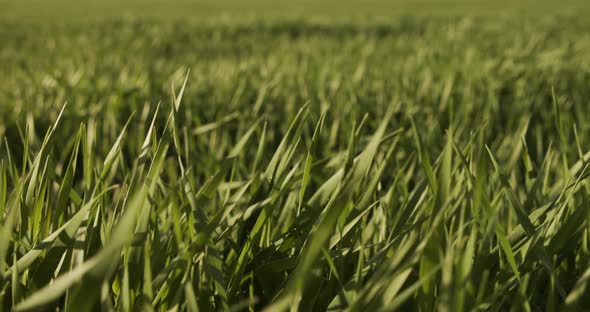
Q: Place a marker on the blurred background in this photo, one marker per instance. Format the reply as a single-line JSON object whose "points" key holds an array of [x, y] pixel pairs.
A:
{"points": [[204, 9]]}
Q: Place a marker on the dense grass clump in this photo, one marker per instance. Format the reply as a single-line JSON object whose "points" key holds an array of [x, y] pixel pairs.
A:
{"points": [[414, 164]]}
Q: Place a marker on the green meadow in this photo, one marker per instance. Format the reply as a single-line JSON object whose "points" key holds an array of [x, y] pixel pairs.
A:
{"points": [[294, 155]]}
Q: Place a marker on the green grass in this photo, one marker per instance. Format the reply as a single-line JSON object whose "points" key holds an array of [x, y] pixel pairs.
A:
{"points": [[305, 163], [84, 10]]}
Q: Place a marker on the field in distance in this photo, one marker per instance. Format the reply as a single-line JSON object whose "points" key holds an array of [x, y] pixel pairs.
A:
{"points": [[206, 9]]}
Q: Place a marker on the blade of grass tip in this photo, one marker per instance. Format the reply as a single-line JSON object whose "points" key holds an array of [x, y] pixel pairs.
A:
{"points": [[445, 170], [365, 160], [216, 124], [424, 159], [358, 129], [564, 144], [175, 131], [260, 98], [311, 154], [35, 177], [237, 149], [337, 237], [409, 292], [578, 145], [145, 147], [517, 149], [558, 120], [207, 191], [279, 173], [26, 142], [88, 153], [350, 150], [188, 190], [274, 162], [36, 212], [235, 199], [68, 180], [178, 99], [260, 149], [114, 152], [505, 245]]}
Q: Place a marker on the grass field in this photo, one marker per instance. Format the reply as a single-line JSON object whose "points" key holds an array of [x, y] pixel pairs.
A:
{"points": [[84, 10], [205, 156]]}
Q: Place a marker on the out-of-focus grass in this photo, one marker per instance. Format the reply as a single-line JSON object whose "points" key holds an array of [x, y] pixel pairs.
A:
{"points": [[70, 10]]}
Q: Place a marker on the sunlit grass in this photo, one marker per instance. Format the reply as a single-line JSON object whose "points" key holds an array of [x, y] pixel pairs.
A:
{"points": [[424, 164]]}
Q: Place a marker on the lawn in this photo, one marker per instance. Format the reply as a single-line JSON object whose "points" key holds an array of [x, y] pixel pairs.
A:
{"points": [[298, 155]]}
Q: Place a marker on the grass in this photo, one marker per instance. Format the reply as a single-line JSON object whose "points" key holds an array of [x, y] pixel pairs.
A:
{"points": [[85, 10], [417, 163]]}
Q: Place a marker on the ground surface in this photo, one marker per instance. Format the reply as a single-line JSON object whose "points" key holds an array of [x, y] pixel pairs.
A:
{"points": [[243, 155]]}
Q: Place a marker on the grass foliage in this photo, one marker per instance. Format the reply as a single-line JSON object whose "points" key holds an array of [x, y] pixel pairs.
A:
{"points": [[419, 164]]}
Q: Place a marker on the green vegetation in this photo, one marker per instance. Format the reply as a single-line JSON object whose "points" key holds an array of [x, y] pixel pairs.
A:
{"points": [[325, 162], [84, 10]]}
